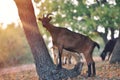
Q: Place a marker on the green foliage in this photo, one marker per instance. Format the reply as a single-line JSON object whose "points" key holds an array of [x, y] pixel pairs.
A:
{"points": [[68, 11], [108, 15]]}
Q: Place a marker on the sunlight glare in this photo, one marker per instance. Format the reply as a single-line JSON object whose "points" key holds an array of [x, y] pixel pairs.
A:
{"points": [[8, 12]]}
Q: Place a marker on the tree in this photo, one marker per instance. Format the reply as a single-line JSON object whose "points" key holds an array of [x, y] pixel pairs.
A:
{"points": [[116, 52], [44, 64], [109, 17], [80, 16]]}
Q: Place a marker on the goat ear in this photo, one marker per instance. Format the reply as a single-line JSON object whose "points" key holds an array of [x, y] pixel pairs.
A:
{"points": [[40, 19], [50, 18], [43, 15]]}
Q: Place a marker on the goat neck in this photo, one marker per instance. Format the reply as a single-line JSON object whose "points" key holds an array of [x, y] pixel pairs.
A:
{"points": [[52, 30], [49, 27]]}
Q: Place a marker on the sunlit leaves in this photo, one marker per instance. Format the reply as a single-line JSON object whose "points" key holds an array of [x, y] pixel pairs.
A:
{"points": [[68, 13]]}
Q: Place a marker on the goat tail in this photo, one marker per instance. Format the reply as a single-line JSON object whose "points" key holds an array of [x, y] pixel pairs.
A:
{"points": [[96, 44]]}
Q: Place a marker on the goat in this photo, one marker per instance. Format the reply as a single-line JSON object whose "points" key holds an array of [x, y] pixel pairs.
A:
{"points": [[63, 38], [108, 49], [67, 56]]}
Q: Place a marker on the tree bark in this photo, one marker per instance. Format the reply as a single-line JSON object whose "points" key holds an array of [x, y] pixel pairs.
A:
{"points": [[112, 32], [116, 52], [44, 65]]}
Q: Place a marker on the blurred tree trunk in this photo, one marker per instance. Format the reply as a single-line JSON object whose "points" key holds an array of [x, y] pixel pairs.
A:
{"points": [[116, 52], [112, 32], [103, 35], [44, 65]]}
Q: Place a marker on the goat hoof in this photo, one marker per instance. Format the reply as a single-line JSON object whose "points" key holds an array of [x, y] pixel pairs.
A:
{"points": [[88, 74], [93, 75]]}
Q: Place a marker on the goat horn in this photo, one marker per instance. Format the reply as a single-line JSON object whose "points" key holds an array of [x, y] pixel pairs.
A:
{"points": [[48, 14]]}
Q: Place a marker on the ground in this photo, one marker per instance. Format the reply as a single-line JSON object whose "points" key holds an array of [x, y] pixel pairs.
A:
{"points": [[104, 70]]}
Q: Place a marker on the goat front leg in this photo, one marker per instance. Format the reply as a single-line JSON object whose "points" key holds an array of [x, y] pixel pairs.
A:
{"points": [[60, 58]]}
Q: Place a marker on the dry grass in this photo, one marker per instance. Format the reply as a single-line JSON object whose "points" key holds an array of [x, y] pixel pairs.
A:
{"points": [[105, 71]]}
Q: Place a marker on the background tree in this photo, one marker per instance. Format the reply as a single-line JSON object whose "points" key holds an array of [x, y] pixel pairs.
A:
{"points": [[108, 18], [116, 52], [44, 65]]}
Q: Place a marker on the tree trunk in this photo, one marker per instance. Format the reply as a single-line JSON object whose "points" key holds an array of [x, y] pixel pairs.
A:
{"points": [[44, 65], [104, 35], [116, 52], [112, 32]]}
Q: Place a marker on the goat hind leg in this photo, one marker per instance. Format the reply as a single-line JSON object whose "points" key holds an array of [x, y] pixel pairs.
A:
{"points": [[89, 70], [93, 69], [60, 59]]}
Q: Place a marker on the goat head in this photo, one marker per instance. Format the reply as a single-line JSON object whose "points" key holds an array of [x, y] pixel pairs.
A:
{"points": [[46, 19]]}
